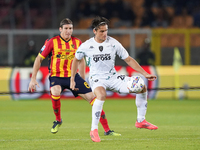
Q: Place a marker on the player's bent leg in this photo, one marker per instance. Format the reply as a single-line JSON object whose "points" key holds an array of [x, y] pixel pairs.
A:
{"points": [[87, 96], [141, 103]]}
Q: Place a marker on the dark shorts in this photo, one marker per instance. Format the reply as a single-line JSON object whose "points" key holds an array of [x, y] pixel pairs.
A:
{"points": [[64, 82]]}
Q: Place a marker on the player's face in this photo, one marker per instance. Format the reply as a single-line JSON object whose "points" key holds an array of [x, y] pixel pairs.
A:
{"points": [[66, 31], [101, 33]]}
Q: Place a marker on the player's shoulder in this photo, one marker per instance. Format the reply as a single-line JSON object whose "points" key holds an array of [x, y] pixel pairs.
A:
{"points": [[46, 41], [55, 37], [90, 40], [111, 39], [51, 39], [87, 42]]}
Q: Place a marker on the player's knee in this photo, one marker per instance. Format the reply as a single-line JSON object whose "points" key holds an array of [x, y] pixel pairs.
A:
{"points": [[144, 89], [100, 93], [101, 96], [56, 90]]}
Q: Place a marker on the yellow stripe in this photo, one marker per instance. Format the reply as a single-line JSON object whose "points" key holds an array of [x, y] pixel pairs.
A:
{"points": [[92, 102], [69, 61], [55, 97], [55, 44], [62, 61], [77, 43]]}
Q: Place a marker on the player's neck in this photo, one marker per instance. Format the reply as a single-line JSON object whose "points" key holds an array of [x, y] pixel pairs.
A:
{"points": [[98, 40]]}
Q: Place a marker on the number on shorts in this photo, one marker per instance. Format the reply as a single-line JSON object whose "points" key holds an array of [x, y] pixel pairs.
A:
{"points": [[86, 85]]}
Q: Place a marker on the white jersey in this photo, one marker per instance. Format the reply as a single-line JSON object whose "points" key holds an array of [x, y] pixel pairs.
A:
{"points": [[100, 57]]}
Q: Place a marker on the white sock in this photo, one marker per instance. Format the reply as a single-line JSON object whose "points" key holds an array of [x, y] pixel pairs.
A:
{"points": [[96, 113], [141, 103]]}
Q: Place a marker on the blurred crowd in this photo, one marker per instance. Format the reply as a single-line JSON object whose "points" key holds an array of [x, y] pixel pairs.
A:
{"points": [[142, 13], [29, 14], [37, 14]]}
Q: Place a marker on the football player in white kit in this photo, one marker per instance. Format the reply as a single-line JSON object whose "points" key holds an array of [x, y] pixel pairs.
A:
{"points": [[100, 52]]}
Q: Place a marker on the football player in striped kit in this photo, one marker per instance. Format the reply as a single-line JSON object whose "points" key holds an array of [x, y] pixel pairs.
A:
{"points": [[60, 51]]}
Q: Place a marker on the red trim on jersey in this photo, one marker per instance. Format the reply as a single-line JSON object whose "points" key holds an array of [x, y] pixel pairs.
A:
{"points": [[59, 43], [66, 61], [58, 67], [74, 43]]}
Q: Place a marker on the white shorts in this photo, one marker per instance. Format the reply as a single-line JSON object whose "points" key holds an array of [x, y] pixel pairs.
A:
{"points": [[115, 83]]}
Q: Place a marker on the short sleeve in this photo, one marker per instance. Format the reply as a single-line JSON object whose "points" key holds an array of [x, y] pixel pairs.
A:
{"points": [[46, 49], [80, 52], [121, 51]]}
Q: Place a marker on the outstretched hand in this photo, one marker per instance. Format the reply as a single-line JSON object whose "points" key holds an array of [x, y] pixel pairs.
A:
{"points": [[151, 77], [32, 86]]}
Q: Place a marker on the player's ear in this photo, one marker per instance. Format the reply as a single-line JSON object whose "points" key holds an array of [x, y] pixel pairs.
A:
{"points": [[60, 29], [94, 31]]}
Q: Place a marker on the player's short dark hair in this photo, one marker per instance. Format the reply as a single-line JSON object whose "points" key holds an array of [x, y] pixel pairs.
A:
{"points": [[98, 21], [65, 21]]}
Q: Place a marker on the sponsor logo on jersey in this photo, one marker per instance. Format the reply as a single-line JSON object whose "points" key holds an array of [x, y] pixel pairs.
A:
{"points": [[101, 57], [69, 50], [91, 47], [66, 57]]}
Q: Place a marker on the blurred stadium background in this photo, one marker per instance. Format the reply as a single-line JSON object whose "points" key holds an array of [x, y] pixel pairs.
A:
{"points": [[26, 24]]}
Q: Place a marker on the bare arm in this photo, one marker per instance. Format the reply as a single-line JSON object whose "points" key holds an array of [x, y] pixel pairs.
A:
{"points": [[81, 68], [74, 68], [36, 67], [133, 64]]}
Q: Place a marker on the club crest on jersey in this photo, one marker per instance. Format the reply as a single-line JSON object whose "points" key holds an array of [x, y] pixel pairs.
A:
{"points": [[72, 45], [101, 48]]}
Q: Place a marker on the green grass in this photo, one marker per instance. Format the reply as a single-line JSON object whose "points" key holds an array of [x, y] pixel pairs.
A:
{"points": [[25, 125]]}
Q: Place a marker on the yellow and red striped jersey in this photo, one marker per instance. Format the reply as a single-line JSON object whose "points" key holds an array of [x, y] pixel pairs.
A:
{"points": [[61, 54]]}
